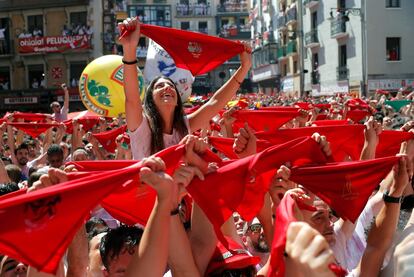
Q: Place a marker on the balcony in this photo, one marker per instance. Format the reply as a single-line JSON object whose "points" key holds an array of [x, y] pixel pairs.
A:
{"points": [[281, 53], [342, 73], [315, 78], [291, 16], [7, 48], [310, 3], [311, 39], [338, 28], [291, 48], [281, 22], [193, 10], [235, 32], [10, 5], [265, 55], [230, 7]]}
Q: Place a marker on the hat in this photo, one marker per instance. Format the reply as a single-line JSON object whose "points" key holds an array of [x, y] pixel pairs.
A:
{"points": [[248, 224], [236, 257]]}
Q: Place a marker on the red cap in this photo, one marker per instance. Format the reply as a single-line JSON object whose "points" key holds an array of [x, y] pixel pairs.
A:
{"points": [[236, 257]]}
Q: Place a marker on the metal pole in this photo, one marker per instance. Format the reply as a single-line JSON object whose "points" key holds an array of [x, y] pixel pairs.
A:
{"points": [[301, 49], [364, 49]]}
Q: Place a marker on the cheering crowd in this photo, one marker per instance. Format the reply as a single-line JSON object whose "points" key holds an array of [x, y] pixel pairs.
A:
{"points": [[225, 185]]}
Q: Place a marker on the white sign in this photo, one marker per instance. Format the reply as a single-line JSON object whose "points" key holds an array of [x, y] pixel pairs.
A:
{"points": [[331, 89], [389, 84], [20, 100], [287, 84], [160, 63]]}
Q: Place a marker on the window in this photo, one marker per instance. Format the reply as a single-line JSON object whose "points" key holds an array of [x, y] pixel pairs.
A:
{"points": [[392, 3], [203, 27], [393, 49], [314, 23], [295, 66], [36, 75], [185, 25], [155, 14], [75, 71], [315, 61], [5, 36], [4, 78], [342, 55], [342, 4], [78, 18], [35, 25], [285, 69]]}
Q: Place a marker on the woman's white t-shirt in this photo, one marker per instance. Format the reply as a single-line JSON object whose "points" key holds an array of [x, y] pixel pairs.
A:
{"points": [[141, 139]]}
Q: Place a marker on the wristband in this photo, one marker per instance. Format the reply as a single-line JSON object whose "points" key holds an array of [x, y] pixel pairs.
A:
{"points": [[390, 199], [234, 78], [129, 62], [175, 211]]}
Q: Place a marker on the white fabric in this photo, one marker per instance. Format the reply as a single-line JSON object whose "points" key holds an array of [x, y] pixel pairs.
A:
{"points": [[348, 252], [141, 139]]}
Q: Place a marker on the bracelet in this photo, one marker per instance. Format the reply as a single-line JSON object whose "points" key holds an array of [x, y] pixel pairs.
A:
{"points": [[175, 211], [127, 62], [234, 78], [390, 199]]}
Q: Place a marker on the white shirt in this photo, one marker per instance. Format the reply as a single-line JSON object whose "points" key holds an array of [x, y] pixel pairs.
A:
{"points": [[141, 139]]}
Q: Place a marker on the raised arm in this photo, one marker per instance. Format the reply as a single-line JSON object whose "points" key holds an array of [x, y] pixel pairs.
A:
{"points": [[371, 134], [65, 108], [133, 105], [201, 117]]}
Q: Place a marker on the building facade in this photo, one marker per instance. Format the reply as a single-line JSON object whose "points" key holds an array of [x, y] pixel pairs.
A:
{"points": [[353, 47], [45, 43]]}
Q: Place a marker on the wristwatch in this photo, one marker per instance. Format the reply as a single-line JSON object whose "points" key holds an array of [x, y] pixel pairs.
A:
{"points": [[390, 199]]}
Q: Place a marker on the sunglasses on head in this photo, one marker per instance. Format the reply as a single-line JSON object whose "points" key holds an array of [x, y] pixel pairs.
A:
{"points": [[255, 228]]}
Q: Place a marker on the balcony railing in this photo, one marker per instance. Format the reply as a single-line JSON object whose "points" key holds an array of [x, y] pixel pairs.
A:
{"points": [[315, 78], [342, 73], [338, 27], [291, 48], [6, 48], [311, 38], [242, 32], [193, 10], [9, 5], [233, 7], [265, 55], [291, 15], [281, 52], [281, 21], [310, 3]]}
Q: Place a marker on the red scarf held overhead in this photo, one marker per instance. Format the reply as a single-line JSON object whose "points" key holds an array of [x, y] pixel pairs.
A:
{"points": [[199, 53], [330, 122], [33, 129], [357, 115], [357, 103], [284, 216], [87, 123], [41, 224], [303, 105], [344, 139], [345, 186], [280, 108], [28, 117], [390, 142], [108, 139], [262, 120], [225, 146], [235, 186]]}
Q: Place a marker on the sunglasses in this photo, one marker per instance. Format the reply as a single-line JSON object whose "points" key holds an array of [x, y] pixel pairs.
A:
{"points": [[255, 228]]}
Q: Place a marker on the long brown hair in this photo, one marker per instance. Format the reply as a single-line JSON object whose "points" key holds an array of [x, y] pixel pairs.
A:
{"points": [[155, 120]]}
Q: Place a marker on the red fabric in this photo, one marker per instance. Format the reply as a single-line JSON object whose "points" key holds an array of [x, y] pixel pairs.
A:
{"points": [[321, 116], [284, 216], [108, 139], [344, 139], [330, 122], [357, 103], [303, 105], [225, 146], [28, 117], [196, 52], [87, 123], [280, 108], [192, 109], [357, 115], [40, 225], [346, 186], [235, 185], [33, 129], [390, 142], [236, 257], [322, 106], [261, 120]]}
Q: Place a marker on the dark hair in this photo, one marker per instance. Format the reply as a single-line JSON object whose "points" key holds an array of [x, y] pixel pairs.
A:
{"points": [[123, 238], [8, 188], [155, 119], [249, 271], [55, 149], [33, 177], [23, 145], [14, 172], [91, 227]]}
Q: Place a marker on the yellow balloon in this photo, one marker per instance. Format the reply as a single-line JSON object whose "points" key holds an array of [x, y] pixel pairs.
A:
{"points": [[101, 86]]}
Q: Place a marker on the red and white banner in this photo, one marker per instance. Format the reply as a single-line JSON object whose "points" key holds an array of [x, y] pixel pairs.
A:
{"points": [[53, 44]]}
